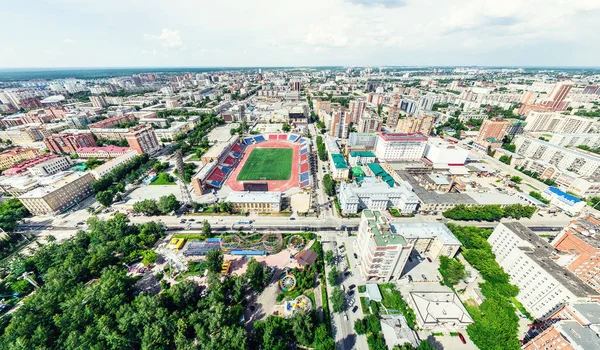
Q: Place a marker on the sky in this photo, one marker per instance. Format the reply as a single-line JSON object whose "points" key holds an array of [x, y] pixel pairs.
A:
{"points": [[245, 33]]}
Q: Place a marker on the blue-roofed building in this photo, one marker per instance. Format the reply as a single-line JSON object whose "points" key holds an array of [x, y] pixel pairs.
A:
{"points": [[567, 202]]}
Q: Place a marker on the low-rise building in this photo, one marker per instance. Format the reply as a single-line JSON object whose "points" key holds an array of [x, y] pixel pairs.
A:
{"points": [[339, 168], [374, 194], [59, 196], [530, 263], [443, 310], [358, 158], [258, 202], [382, 254], [567, 202], [16, 155], [43, 165], [110, 165], [105, 152], [438, 151]]}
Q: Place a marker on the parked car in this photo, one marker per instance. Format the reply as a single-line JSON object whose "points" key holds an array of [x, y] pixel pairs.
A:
{"points": [[292, 218], [462, 338], [355, 256], [351, 292], [429, 259], [347, 273], [352, 286], [355, 308], [424, 277], [410, 279]]}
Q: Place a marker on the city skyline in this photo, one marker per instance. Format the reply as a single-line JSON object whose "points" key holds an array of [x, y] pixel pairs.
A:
{"points": [[322, 33]]}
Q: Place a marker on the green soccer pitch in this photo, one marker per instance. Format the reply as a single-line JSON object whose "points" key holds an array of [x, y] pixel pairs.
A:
{"points": [[267, 164]]}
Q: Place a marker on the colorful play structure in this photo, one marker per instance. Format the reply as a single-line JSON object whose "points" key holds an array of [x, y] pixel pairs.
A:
{"points": [[225, 267], [300, 303], [270, 241], [287, 282], [296, 242]]}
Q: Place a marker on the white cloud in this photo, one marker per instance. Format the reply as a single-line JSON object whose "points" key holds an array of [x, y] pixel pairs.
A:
{"points": [[167, 38], [68, 40]]}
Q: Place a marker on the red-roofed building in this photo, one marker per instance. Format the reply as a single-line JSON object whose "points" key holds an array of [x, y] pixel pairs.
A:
{"points": [[69, 143], [110, 122]]}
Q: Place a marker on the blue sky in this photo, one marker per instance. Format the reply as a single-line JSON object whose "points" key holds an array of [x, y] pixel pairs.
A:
{"points": [[124, 33]]}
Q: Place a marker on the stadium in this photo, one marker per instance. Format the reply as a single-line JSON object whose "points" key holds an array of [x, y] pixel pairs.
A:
{"points": [[266, 162]]}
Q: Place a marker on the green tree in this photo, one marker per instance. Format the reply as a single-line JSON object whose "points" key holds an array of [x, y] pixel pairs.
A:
{"points": [[286, 127], [206, 229], [303, 327], [360, 327], [149, 257], [329, 257], [256, 275], [328, 185], [333, 276], [373, 324], [337, 299], [105, 198], [505, 159], [214, 260], [147, 206], [167, 204], [323, 340], [516, 179], [452, 271]]}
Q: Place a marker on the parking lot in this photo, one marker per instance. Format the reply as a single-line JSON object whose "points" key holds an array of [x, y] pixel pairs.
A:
{"points": [[420, 269]]}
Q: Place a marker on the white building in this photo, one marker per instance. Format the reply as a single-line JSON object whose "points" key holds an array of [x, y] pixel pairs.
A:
{"points": [[107, 167], [438, 151], [360, 158], [376, 195], [573, 140], [442, 309], [338, 166], [429, 238], [51, 166], [382, 254], [528, 260], [557, 122], [400, 147], [580, 163]]}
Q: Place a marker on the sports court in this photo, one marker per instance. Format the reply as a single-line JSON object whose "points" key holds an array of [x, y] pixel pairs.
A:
{"points": [[267, 164]]}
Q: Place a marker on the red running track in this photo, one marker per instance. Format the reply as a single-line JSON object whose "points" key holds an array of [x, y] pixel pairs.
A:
{"points": [[274, 185]]}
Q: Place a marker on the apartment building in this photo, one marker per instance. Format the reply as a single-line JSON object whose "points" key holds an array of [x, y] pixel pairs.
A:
{"points": [[580, 163], [23, 134], [69, 143], [574, 140], [400, 147], [356, 108], [16, 155], [530, 262], [321, 105], [256, 202], [495, 128], [580, 241], [143, 139], [59, 196], [110, 165], [99, 101], [382, 253], [418, 124], [339, 123], [368, 122], [545, 121]]}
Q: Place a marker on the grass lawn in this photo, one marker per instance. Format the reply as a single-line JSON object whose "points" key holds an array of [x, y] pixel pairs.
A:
{"points": [[163, 179], [267, 164], [364, 305]]}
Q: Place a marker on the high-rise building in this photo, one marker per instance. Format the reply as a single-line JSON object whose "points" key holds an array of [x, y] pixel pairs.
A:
{"points": [[357, 108], [143, 139], [555, 122], [495, 128], [98, 101], [69, 143], [319, 105], [340, 123], [530, 263], [580, 240], [419, 124], [392, 117], [558, 94], [382, 253], [368, 122]]}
